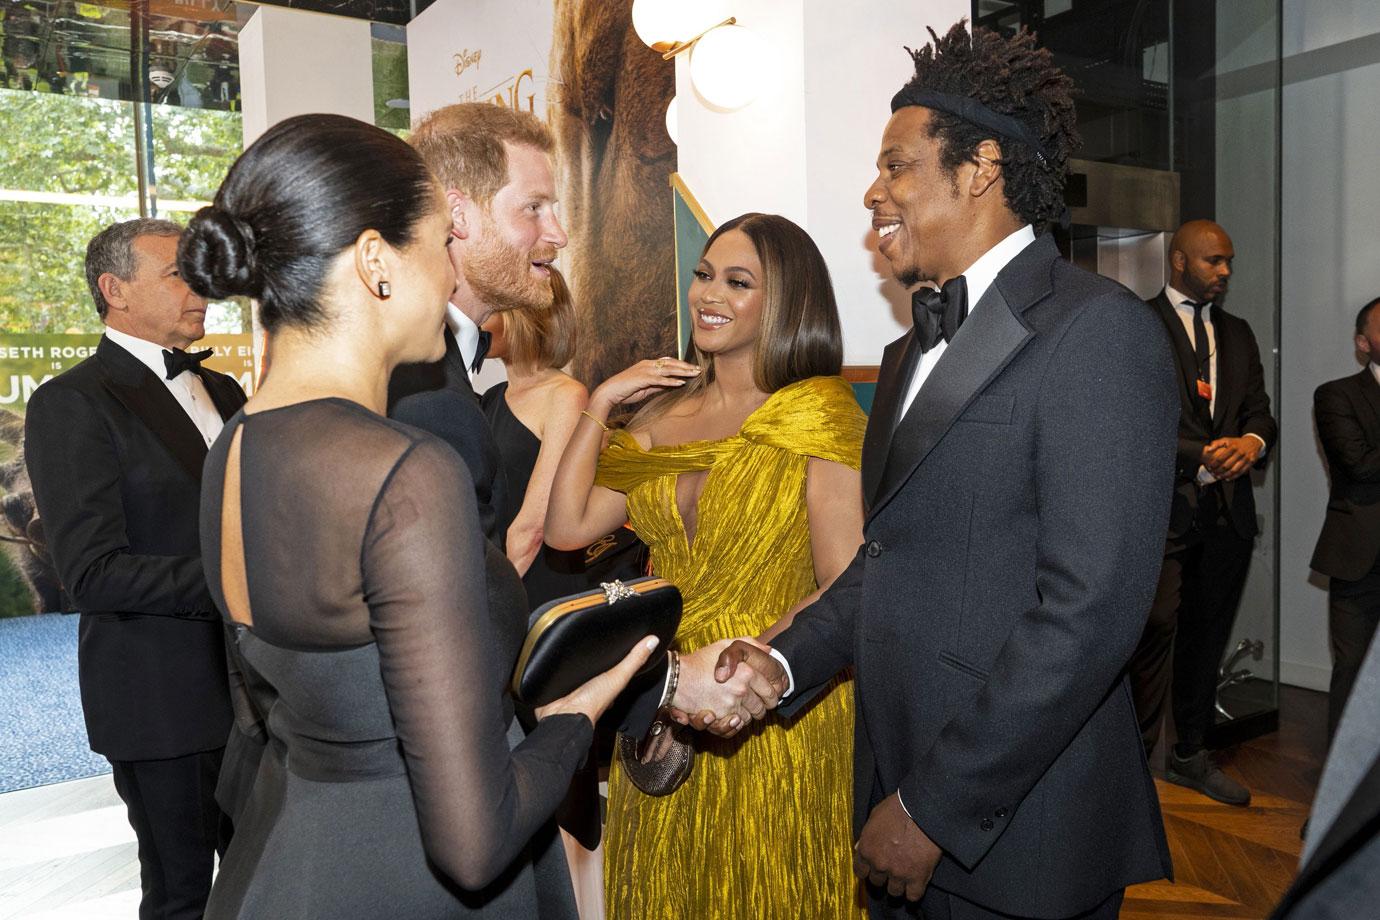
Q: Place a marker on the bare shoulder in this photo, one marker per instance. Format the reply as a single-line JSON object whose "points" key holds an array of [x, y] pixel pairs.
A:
{"points": [[564, 390]]}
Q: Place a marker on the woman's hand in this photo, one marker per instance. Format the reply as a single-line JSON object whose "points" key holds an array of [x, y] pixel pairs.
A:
{"points": [[595, 695], [747, 691], [640, 381]]}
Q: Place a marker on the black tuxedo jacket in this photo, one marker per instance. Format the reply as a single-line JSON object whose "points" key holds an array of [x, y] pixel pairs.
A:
{"points": [[439, 398], [1013, 538], [1347, 413], [116, 470], [1243, 407]]}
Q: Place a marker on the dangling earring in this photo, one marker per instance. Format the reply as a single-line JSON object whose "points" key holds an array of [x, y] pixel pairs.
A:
{"points": [[384, 290]]}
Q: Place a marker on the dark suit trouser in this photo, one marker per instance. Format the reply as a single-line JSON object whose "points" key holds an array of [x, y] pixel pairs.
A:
{"points": [[1353, 609], [940, 905], [172, 808], [1187, 633]]}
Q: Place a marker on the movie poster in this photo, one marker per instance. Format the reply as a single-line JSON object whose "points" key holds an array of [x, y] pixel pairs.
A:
{"points": [[579, 65], [28, 583]]}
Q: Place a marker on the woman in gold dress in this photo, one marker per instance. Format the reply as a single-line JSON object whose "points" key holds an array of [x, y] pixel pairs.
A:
{"points": [[741, 475]]}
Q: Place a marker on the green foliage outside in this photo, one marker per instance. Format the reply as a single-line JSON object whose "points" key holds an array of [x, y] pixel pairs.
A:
{"points": [[390, 83], [85, 146]]}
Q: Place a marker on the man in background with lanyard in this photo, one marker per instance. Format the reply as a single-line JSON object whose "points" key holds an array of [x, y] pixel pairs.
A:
{"points": [[1225, 428]]}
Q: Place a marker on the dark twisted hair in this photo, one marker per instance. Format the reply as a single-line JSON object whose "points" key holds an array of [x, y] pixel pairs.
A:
{"points": [[1011, 76]]}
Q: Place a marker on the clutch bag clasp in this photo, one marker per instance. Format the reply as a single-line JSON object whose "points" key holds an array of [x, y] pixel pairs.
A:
{"points": [[615, 591]]}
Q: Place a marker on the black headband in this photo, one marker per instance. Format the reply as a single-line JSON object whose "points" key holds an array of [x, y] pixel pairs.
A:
{"points": [[973, 112]]}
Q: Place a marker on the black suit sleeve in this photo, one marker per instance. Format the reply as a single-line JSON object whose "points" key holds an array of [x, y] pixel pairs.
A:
{"points": [[1343, 437], [1106, 422], [1255, 417], [457, 419], [1190, 456], [819, 642], [75, 470]]}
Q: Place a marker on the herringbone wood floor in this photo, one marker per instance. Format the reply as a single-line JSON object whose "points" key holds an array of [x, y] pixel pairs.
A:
{"points": [[1236, 862]]}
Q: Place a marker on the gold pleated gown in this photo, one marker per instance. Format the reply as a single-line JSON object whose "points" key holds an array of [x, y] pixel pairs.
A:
{"points": [[763, 827]]}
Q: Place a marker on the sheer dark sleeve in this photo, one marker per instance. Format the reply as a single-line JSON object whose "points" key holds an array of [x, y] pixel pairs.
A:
{"points": [[423, 562]]}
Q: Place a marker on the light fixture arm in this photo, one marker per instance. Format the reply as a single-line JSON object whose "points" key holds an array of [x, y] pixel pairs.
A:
{"points": [[681, 47]]}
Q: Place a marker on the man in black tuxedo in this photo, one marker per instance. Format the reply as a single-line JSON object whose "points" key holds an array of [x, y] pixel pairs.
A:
{"points": [[114, 449], [1347, 412], [1225, 428], [1016, 474], [495, 164]]}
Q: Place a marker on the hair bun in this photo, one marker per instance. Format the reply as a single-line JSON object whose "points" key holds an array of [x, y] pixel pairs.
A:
{"points": [[216, 256]]}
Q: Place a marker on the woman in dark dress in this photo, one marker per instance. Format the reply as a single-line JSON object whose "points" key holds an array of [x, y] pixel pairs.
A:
{"points": [[531, 415], [346, 551]]}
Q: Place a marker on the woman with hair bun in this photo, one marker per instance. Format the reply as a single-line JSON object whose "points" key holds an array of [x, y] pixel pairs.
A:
{"points": [[345, 550]]}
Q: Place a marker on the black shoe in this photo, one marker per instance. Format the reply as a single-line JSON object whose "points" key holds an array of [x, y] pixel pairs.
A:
{"points": [[1200, 773]]}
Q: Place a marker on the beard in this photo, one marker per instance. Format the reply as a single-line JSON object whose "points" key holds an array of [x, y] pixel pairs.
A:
{"points": [[501, 276], [908, 277]]}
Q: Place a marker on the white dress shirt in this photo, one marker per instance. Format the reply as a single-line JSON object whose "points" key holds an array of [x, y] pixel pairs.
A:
{"points": [[466, 333], [1182, 305], [1375, 371], [186, 387], [978, 277]]}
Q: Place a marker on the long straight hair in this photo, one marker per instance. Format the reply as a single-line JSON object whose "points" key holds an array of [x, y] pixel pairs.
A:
{"points": [[800, 335]]}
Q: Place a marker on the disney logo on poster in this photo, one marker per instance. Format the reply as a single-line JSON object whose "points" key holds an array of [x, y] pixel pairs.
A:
{"points": [[465, 59]]}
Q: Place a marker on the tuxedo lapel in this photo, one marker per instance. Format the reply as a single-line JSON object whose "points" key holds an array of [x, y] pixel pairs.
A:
{"points": [[145, 396], [988, 340], [1183, 350], [1370, 394], [892, 382], [1227, 371], [457, 374], [227, 397]]}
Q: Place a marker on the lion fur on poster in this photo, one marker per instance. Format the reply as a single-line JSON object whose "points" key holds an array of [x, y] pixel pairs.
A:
{"points": [[614, 157]]}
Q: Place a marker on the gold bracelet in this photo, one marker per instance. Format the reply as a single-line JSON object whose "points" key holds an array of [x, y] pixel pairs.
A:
{"points": [[594, 420]]}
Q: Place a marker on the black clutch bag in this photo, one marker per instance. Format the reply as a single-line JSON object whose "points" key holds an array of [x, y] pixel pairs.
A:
{"points": [[572, 639]]}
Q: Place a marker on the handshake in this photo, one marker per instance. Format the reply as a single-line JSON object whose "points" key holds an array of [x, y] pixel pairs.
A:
{"points": [[724, 686]]}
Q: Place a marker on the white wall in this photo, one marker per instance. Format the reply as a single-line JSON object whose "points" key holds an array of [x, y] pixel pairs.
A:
{"points": [[512, 39], [1330, 268], [1246, 124], [293, 63], [810, 154]]}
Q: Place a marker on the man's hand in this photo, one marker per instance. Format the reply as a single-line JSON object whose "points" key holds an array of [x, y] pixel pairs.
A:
{"points": [[893, 853], [1229, 458], [726, 685]]}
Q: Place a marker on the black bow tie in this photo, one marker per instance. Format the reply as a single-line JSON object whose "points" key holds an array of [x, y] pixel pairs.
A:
{"points": [[938, 314], [178, 360], [480, 350]]}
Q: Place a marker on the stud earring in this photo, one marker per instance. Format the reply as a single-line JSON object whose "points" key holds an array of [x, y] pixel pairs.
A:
{"points": [[385, 291]]}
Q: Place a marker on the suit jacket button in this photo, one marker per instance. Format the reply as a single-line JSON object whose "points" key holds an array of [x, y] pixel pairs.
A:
{"points": [[1001, 812], [874, 549], [987, 824]]}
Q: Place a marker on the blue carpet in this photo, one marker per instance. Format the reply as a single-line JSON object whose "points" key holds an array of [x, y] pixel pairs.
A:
{"points": [[42, 735]]}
